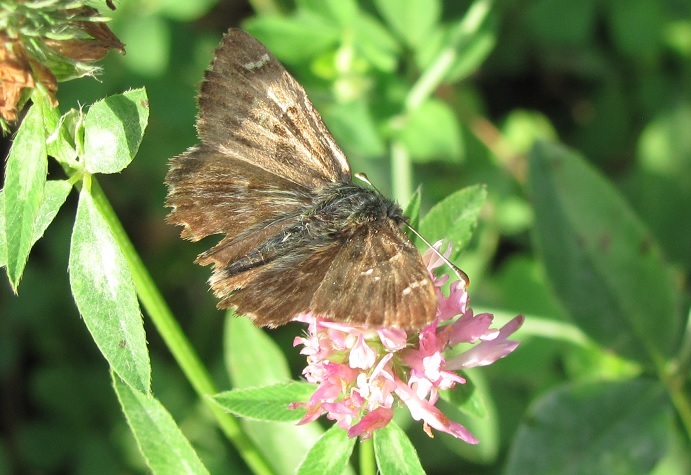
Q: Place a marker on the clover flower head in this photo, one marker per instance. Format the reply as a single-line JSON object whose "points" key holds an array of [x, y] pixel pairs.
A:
{"points": [[362, 372]]}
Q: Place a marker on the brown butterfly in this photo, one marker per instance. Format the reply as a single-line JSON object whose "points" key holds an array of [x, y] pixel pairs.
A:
{"points": [[300, 236]]}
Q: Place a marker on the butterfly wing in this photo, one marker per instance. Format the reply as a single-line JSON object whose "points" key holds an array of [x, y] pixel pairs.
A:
{"points": [[377, 278], [251, 109], [213, 193], [257, 176], [264, 151]]}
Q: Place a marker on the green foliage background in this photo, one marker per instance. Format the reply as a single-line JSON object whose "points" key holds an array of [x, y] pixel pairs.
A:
{"points": [[610, 79]]}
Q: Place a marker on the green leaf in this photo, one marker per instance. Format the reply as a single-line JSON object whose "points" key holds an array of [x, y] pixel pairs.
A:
{"points": [[579, 30], [159, 439], [604, 264], [148, 40], [661, 194], [432, 132], [466, 53], [412, 211], [296, 39], [51, 115], [455, 217], [394, 452], [3, 239], [61, 142], [330, 454], [185, 11], [54, 196], [412, 19], [253, 359], [374, 42], [472, 405], [472, 55], [102, 287], [635, 28], [113, 130], [352, 124], [341, 12], [268, 403], [25, 178], [613, 427]]}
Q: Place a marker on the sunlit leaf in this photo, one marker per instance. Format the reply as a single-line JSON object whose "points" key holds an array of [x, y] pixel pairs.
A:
{"points": [[268, 403], [25, 178], [394, 452], [102, 287], [160, 441], [330, 454], [113, 130]]}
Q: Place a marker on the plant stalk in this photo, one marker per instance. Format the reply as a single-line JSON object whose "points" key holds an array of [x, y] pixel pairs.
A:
{"points": [[175, 339]]}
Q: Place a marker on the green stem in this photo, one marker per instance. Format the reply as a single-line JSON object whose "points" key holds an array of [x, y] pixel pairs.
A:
{"points": [[680, 399], [434, 75], [675, 378], [683, 359], [368, 465], [175, 339], [424, 87], [401, 173]]}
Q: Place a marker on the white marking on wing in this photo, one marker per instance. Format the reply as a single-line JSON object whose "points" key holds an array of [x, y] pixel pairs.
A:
{"points": [[257, 64]]}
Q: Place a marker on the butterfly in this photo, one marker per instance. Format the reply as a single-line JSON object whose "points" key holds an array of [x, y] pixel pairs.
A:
{"points": [[299, 235]]}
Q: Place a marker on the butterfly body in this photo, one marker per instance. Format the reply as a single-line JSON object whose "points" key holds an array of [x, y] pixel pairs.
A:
{"points": [[299, 235]]}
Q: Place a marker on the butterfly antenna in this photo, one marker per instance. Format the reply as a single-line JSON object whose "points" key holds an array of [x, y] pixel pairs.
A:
{"points": [[457, 270], [362, 177]]}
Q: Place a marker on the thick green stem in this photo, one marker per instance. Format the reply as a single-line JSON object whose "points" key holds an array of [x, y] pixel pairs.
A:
{"points": [[401, 173], [680, 399], [368, 465], [674, 378], [175, 339]]}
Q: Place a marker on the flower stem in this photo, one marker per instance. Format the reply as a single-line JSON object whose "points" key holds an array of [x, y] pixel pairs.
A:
{"points": [[427, 83], [401, 173], [175, 339], [434, 75], [675, 376], [368, 465]]}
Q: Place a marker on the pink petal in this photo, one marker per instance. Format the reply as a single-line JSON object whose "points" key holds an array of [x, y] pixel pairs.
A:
{"points": [[488, 351], [469, 328], [421, 409], [432, 259], [455, 304], [393, 339], [361, 355], [371, 421]]}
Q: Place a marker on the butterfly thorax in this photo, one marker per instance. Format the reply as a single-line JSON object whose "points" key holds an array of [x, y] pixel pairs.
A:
{"points": [[341, 209]]}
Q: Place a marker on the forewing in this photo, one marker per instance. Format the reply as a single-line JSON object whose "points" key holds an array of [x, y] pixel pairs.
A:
{"points": [[252, 109], [212, 193], [377, 278]]}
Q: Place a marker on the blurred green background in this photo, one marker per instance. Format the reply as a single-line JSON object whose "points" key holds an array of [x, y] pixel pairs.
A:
{"points": [[609, 78]]}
